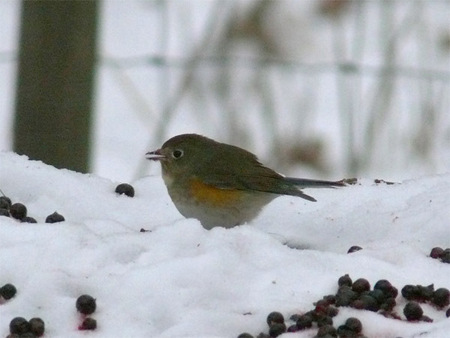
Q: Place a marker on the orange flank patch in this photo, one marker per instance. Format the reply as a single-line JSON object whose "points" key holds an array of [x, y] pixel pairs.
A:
{"points": [[208, 194]]}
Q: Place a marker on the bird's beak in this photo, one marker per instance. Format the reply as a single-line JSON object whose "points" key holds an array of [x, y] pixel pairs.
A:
{"points": [[155, 155]]}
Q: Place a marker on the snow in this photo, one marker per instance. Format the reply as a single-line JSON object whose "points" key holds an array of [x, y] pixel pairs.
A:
{"points": [[180, 280]]}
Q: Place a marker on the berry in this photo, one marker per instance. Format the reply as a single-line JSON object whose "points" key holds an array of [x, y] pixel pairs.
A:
{"points": [[277, 329], [19, 325], [386, 287], [125, 189], [441, 297], [5, 202], [321, 306], [388, 304], [425, 292], [326, 331], [4, 212], [245, 335], [37, 326], [18, 210], [447, 313], [446, 256], [345, 295], [54, 218], [27, 219], [8, 291], [410, 292], [330, 299], [292, 328], [27, 335], [377, 294], [369, 303], [332, 311], [354, 248], [345, 280], [88, 324], [304, 322], [86, 304], [360, 285], [323, 320], [344, 331], [275, 317], [354, 324], [413, 311], [436, 252]]}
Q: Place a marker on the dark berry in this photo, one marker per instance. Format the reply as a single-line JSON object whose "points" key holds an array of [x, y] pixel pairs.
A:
{"points": [[274, 317], [125, 189], [358, 304], [8, 291], [378, 295], [4, 212], [446, 256], [28, 219], [326, 331], [330, 299], [263, 335], [436, 252], [321, 306], [369, 303], [18, 210], [277, 329], [344, 331], [304, 322], [5, 202], [426, 319], [425, 292], [332, 311], [413, 311], [386, 287], [388, 304], [447, 313], [19, 325], [345, 280], [54, 218], [354, 324], [88, 324], [360, 285], [86, 304], [345, 296], [37, 326], [441, 297], [293, 328], [245, 335], [323, 320], [354, 248], [410, 292], [27, 335]]}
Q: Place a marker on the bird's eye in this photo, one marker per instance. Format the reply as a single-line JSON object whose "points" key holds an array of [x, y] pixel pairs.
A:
{"points": [[177, 153]]}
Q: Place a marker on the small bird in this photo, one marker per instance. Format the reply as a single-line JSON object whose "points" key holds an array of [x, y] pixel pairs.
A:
{"points": [[222, 185]]}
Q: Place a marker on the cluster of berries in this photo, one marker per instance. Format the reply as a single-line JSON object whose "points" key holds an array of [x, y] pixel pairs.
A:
{"points": [[358, 295], [19, 211], [19, 327]]}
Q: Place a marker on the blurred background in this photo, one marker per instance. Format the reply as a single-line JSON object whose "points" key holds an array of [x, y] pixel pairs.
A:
{"points": [[316, 88]]}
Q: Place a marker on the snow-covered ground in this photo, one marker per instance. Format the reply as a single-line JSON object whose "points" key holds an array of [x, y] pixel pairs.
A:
{"points": [[179, 280]]}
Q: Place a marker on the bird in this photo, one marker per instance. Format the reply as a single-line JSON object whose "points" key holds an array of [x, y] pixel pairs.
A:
{"points": [[223, 185]]}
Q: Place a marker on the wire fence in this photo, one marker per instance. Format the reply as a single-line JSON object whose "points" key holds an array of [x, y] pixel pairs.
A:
{"points": [[345, 87], [366, 89]]}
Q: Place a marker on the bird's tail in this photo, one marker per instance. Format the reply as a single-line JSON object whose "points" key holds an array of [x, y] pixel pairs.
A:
{"points": [[308, 183]]}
